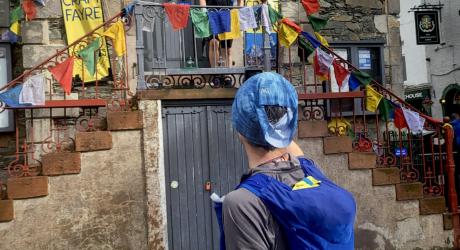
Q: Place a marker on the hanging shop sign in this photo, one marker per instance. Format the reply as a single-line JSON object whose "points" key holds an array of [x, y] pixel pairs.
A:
{"points": [[417, 95], [427, 27], [4, 13], [81, 17]]}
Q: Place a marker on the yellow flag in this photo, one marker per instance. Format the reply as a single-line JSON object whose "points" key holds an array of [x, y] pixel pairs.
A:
{"points": [[287, 35], [373, 99], [16, 28], [116, 32], [234, 27], [321, 39]]}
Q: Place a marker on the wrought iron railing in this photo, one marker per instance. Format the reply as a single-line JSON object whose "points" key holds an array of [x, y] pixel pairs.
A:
{"points": [[179, 59], [52, 127]]}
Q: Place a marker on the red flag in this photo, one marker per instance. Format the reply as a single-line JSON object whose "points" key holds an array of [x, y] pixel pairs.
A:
{"points": [[400, 121], [177, 14], [63, 73], [310, 6], [29, 9], [340, 72], [292, 24]]}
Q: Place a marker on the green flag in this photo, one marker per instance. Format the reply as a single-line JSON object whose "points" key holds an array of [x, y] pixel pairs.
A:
{"points": [[317, 23], [16, 14], [274, 15], [386, 109], [304, 50], [201, 22], [362, 77], [90, 56]]}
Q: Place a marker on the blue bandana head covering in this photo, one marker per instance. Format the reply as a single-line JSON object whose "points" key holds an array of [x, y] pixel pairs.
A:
{"points": [[248, 112]]}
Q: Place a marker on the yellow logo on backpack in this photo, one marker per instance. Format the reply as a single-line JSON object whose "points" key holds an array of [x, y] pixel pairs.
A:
{"points": [[307, 182]]}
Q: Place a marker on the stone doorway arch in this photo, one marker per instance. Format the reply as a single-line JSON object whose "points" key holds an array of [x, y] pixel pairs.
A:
{"points": [[450, 100]]}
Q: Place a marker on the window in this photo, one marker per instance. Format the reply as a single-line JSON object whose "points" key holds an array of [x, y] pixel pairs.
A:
{"points": [[6, 117], [367, 57]]}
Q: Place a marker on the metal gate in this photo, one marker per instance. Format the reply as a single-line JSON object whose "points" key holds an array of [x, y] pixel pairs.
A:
{"points": [[202, 155]]}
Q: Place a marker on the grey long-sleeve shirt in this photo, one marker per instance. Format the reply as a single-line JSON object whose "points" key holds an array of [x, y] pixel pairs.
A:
{"points": [[247, 222]]}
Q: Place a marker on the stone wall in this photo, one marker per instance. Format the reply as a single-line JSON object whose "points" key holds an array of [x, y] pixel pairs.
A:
{"points": [[357, 21], [103, 207]]}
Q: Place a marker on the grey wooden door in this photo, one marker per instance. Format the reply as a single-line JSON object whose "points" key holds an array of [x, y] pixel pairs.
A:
{"points": [[200, 146]]}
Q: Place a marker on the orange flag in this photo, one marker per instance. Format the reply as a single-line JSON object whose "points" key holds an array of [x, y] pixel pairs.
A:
{"points": [[311, 6], [63, 74], [292, 24], [29, 9]]}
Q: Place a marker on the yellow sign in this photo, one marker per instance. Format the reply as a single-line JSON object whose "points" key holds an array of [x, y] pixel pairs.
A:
{"points": [[81, 17]]}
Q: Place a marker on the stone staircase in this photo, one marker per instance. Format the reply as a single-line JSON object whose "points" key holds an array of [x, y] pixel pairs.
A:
{"points": [[385, 201], [58, 164]]}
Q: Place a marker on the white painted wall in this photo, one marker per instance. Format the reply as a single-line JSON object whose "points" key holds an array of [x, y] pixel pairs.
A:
{"points": [[416, 66]]}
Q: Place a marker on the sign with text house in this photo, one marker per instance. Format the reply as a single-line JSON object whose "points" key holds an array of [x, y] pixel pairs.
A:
{"points": [[427, 27]]}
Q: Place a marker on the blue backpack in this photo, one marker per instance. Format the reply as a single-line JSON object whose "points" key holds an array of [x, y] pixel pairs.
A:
{"points": [[323, 219]]}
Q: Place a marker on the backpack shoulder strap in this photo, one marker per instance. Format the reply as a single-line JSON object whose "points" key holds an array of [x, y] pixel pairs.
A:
{"points": [[255, 183]]}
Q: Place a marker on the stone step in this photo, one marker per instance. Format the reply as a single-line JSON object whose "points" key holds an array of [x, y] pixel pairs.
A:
{"points": [[93, 141], [6, 210], [337, 144], [385, 176], [60, 163], [361, 160], [124, 120], [409, 191], [27, 187], [432, 205], [312, 129]]}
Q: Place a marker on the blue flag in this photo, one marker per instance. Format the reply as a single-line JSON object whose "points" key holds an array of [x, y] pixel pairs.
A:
{"points": [[312, 39], [353, 83], [11, 97]]}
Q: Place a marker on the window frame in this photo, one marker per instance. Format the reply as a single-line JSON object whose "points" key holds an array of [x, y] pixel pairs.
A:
{"points": [[353, 49]]}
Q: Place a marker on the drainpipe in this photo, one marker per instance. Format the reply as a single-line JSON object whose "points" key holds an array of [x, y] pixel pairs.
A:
{"points": [[267, 51], [451, 192]]}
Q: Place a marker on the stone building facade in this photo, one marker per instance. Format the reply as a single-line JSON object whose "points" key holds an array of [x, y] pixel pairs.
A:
{"points": [[118, 201]]}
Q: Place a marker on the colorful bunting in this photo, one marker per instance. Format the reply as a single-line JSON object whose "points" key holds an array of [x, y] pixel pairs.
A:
{"points": [[292, 24], [399, 121], [287, 35], [311, 6], [16, 14], [234, 27], [373, 99], [317, 23], [63, 74], [30, 9], [314, 42], [219, 21], [11, 97], [386, 109], [362, 77], [247, 19], [340, 72], [90, 56], [323, 62], [33, 91], [177, 14], [116, 32], [322, 39], [414, 121], [304, 50], [274, 15]]}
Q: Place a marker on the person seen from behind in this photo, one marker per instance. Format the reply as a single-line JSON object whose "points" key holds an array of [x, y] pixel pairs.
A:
{"points": [[284, 201]]}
